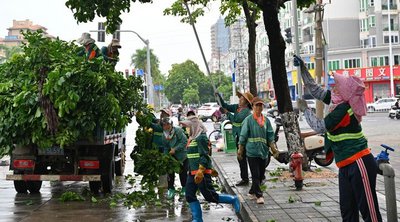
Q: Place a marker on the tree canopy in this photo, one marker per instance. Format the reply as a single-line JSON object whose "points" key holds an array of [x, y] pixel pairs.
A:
{"points": [[139, 60], [181, 77]]}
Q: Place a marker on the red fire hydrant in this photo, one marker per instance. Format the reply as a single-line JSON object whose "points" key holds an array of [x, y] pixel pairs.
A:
{"points": [[296, 165]]}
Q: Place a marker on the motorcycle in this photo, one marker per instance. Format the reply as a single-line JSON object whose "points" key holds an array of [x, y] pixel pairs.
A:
{"points": [[394, 112], [314, 147]]}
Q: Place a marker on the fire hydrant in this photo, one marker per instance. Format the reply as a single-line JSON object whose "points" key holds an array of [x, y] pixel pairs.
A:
{"points": [[296, 166]]}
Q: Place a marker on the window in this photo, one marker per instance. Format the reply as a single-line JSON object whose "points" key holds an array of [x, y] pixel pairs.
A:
{"points": [[333, 65], [395, 39], [372, 41], [352, 63], [396, 60], [310, 65], [373, 61], [363, 5], [371, 20], [364, 25], [364, 43]]}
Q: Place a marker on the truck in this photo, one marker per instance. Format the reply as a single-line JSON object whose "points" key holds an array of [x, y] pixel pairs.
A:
{"points": [[96, 160]]}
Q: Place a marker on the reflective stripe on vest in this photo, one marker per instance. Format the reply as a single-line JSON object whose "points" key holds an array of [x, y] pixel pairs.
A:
{"points": [[345, 136], [207, 171], [257, 139], [158, 134], [193, 155], [237, 124], [192, 143]]}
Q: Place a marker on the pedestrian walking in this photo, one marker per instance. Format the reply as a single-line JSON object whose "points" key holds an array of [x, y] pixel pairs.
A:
{"points": [[240, 112], [200, 170], [90, 49], [257, 136], [174, 143], [345, 141]]}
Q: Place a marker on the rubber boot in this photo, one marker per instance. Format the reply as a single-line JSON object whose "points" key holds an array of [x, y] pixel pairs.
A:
{"points": [[171, 194], [196, 211], [234, 200]]}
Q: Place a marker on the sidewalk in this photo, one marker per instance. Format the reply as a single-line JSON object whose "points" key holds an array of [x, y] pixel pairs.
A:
{"points": [[318, 201]]}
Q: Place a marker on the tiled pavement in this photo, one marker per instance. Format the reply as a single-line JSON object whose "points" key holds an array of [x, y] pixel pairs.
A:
{"points": [[317, 201]]}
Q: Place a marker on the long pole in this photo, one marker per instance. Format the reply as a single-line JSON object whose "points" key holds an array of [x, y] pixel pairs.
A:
{"points": [[297, 47], [318, 53], [201, 50], [390, 54]]}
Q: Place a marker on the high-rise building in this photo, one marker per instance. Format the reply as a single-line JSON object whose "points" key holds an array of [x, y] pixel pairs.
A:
{"points": [[15, 37], [220, 44]]}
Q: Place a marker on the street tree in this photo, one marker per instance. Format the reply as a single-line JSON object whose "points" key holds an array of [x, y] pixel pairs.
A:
{"points": [[8, 52], [234, 10], [222, 83], [86, 10], [181, 77], [191, 95], [139, 60]]}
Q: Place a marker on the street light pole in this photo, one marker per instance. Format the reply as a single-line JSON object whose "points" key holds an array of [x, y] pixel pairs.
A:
{"points": [[148, 79]]}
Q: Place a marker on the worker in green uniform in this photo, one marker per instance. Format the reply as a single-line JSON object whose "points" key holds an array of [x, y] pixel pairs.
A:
{"points": [[345, 141], [174, 143], [200, 171], [257, 135], [158, 130], [89, 49], [236, 114]]}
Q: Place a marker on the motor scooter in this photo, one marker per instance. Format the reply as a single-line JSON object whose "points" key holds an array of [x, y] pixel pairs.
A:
{"points": [[314, 146], [394, 112]]}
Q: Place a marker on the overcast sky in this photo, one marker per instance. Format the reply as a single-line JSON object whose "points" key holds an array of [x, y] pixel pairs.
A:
{"points": [[171, 41]]}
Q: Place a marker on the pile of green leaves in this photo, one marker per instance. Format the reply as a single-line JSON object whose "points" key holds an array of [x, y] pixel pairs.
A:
{"points": [[50, 96]]}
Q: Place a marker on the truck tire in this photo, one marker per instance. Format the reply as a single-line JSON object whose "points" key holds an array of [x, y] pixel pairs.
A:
{"points": [[107, 179], [34, 186], [20, 186], [94, 186]]}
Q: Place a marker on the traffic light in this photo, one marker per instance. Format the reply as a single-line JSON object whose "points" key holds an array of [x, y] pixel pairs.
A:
{"points": [[126, 73], [116, 34], [101, 34], [288, 34], [133, 72]]}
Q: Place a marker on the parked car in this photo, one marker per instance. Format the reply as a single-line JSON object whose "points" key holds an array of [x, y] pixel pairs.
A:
{"points": [[207, 110], [383, 104]]}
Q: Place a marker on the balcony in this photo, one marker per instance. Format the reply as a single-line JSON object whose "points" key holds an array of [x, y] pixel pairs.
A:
{"points": [[392, 7], [394, 27]]}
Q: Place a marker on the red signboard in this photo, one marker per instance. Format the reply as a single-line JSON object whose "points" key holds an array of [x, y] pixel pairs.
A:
{"points": [[372, 73]]}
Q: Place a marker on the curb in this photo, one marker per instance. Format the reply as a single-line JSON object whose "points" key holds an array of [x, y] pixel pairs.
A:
{"points": [[245, 212]]}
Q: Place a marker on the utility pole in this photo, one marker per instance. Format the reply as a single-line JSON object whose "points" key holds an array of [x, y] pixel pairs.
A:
{"points": [[319, 50]]}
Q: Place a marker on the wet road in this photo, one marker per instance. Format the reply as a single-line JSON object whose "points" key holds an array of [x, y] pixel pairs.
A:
{"points": [[46, 205]]}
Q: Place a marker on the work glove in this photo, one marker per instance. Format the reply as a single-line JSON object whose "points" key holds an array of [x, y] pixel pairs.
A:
{"points": [[214, 173], [199, 175], [240, 152], [302, 104], [274, 150], [172, 151], [297, 61]]}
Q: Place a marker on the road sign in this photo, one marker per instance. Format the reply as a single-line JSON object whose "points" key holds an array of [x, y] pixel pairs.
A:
{"points": [[140, 72]]}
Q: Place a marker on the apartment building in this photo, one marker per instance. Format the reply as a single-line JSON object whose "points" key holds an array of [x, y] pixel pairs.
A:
{"points": [[359, 36]]}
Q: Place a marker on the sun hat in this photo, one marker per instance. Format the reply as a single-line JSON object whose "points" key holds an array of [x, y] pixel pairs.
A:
{"points": [[166, 111], [351, 89], [257, 100], [115, 42], [247, 95], [85, 39]]}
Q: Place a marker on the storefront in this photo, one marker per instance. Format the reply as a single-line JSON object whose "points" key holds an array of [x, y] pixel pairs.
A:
{"points": [[376, 80]]}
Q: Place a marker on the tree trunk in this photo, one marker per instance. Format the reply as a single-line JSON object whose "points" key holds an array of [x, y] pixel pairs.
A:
{"points": [[279, 77], [251, 52]]}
